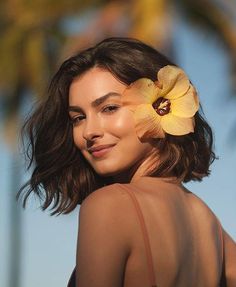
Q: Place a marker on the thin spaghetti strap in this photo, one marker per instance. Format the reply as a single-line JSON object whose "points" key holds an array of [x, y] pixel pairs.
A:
{"points": [[71, 282], [145, 236], [223, 278], [221, 238]]}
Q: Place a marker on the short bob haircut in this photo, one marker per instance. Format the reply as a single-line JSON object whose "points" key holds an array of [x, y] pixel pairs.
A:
{"points": [[61, 176]]}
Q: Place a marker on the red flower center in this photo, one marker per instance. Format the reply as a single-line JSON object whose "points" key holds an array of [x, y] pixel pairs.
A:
{"points": [[162, 106]]}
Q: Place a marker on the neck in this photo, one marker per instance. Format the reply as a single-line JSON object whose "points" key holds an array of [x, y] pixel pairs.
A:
{"points": [[142, 168]]}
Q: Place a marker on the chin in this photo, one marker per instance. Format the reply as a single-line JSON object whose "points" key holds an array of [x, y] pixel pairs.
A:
{"points": [[115, 171], [107, 172]]}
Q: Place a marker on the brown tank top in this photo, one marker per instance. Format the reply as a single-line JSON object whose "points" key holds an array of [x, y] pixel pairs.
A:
{"points": [[140, 218], [145, 235], [146, 241]]}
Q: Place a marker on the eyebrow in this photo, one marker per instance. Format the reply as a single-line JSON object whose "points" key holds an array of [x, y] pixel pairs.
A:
{"points": [[96, 102]]}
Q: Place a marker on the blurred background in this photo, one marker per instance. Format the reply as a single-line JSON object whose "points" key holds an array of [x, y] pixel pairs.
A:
{"points": [[35, 37]]}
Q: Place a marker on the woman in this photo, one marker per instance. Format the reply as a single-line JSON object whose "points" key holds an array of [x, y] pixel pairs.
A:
{"points": [[119, 133]]}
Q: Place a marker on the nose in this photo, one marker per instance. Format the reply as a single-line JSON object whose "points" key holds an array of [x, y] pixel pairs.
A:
{"points": [[92, 129]]}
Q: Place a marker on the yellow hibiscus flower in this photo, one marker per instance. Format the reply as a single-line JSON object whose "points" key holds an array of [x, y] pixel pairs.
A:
{"points": [[167, 105]]}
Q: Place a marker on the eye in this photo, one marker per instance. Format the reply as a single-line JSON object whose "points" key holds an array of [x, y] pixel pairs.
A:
{"points": [[77, 119], [110, 109]]}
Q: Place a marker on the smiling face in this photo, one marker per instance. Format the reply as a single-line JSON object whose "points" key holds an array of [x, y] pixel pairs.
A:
{"points": [[103, 129]]}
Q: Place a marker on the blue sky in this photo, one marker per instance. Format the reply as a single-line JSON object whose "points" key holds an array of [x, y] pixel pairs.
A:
{"points": [[49, 243]]}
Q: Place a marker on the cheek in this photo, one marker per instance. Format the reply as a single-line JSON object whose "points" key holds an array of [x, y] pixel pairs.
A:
{"points": [[124, 129], [121, 125]]}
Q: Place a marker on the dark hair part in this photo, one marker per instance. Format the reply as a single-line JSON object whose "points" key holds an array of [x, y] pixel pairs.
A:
{"points": [[61, 176]]}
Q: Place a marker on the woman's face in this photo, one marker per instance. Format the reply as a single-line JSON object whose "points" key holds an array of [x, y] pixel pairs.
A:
{"points": [[103, 129]]}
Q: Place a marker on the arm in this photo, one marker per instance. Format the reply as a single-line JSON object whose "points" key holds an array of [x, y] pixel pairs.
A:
{"points": [[102, 248], [230, 260]]}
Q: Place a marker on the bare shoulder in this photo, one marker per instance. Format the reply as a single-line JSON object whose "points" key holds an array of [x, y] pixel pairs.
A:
{"points": [[105, 212], [104, 243], [107, 205], [110, 195]]}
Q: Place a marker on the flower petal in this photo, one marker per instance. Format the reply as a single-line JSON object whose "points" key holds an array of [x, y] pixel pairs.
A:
{"points": [[148, 122], [142, 91], [177, 126], [187, 105], [174, 81]]}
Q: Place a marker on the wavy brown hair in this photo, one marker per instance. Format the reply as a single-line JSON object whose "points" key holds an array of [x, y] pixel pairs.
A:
{"points": [[61, 176]]}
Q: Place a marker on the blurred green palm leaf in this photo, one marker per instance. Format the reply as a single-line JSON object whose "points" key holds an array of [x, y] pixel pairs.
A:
{"points": [[33, 39]]}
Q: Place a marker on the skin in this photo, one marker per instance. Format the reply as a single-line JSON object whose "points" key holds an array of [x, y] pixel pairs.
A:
{"points": [[107, 123]]}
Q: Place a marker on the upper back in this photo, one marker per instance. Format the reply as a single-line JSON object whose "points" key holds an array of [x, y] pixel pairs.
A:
{"points": [[184, 235]]}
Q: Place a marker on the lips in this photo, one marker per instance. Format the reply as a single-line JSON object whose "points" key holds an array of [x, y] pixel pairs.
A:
{"points": [[100, 147], [100, 150]]}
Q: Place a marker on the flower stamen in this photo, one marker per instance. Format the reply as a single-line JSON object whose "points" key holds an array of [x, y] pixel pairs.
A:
{"points": [[162, 106]]}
